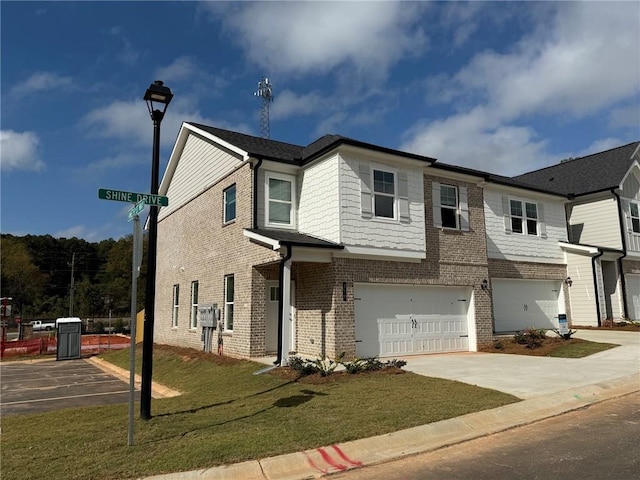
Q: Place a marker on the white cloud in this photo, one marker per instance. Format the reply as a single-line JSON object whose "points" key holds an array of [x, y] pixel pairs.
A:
{"points": [[625, 117], [316, 37], [128, 55], [291, 104], [582, 59], [182, 68], [19, 151], [78, 231], [39, 82]]}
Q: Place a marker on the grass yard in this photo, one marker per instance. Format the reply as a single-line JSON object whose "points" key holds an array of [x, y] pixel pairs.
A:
{"points": [[226, 415]]}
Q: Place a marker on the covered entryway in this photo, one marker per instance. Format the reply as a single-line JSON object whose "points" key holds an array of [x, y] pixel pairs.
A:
{"points": [[405, 319], [633, 296], [272, 294], [520, 304]]}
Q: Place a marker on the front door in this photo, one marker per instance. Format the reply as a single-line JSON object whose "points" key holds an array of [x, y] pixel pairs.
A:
{"points": [[272, 295]]}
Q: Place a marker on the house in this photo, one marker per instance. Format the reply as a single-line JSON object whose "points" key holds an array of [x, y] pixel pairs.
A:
{"points": [[603, 251], [344, 246]]}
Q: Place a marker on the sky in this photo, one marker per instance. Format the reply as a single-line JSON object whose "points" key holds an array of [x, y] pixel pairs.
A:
{"points": [[504, 87]]}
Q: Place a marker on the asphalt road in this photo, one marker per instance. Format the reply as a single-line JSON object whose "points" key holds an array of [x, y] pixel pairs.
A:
{"points": [[598, 442], [35, 387]]}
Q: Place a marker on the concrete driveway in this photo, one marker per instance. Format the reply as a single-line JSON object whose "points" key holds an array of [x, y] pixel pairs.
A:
{"points": [[43, 386], [527, 376]]}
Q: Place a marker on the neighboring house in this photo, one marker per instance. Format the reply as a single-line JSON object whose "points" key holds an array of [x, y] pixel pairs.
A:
{"points": [[603, 252]]}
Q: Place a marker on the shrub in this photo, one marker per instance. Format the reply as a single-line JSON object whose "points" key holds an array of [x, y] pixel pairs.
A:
{"points": [[565, 336], [301, 366], [531, 337]]}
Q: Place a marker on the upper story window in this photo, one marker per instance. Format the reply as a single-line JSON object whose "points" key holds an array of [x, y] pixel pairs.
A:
{"points": [[525, 218], [384, 194], [229, 195], [450, 207], [635, 217], [193, 323], [280, 200]]}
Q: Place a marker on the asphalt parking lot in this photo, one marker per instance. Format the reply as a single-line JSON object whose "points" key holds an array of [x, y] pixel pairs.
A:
{"points": [[34, 387]]}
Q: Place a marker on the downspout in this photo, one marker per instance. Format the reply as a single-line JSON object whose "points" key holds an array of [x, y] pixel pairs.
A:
{"points": [[255, 192], [283, 261], [595, 285], [623, 281]]}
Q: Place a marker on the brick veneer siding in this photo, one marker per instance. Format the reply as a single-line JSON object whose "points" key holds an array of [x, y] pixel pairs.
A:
{"points": [[532, 271], [631, 266], [193, 244]]}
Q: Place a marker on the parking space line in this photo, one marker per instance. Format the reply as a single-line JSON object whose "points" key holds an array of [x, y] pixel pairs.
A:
{"points": [[53, 387], [62, 398]]}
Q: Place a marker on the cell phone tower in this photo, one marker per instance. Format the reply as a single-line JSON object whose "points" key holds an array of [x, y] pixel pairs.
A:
{"points": [[265, 91]]}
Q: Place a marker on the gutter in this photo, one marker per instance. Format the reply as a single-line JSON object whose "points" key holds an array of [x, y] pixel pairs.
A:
{"points": [[595, 284], [255, 192], [283, 261], [623, 281]]}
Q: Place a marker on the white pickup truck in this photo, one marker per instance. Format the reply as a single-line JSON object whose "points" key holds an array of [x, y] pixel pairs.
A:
{"points": [[39, 325]]}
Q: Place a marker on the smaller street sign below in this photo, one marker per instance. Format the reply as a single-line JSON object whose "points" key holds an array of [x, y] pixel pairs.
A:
{"points": [[135, 210], [132, 197]]}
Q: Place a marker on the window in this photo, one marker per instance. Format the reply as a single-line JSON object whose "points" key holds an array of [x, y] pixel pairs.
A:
{"points": [[523, 220], [228, 302], [230, 204], [280, 199], [383, 194], [194, 304], [449, 206], [274, 294], [176, 303], [635, 217]]}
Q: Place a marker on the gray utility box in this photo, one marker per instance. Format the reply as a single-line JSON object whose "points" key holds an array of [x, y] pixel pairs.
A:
{"points": [[69, 338]]}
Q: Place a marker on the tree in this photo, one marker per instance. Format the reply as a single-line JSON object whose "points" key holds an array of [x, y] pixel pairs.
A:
{"points": [[21, 278]]}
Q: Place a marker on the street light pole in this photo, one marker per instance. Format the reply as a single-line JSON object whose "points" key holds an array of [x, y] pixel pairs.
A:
{"points": [[156, 93]]}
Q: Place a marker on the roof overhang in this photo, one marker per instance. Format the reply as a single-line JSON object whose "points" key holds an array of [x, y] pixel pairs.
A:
{"points": [[276, 240]]}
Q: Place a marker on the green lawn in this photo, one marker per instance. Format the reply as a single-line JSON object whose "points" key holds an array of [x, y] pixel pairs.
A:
{"points": [[226, 415]]}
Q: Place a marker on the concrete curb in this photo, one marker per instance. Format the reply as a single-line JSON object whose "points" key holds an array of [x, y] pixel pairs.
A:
{"points": [[319, 462], [157, 390]]}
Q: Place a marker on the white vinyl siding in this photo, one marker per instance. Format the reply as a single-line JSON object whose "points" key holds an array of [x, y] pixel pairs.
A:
{"points": [[633, 296], [596, 223], [319, 200], [201, 165], [581, 293], [502, 244], [358, 229]]}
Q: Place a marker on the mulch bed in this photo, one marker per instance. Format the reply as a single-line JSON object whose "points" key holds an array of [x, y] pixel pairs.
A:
{"points": [[287, 373]]}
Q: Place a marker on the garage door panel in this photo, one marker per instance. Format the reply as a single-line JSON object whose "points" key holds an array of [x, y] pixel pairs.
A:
{"points": [[410, 320], [520, 304]]}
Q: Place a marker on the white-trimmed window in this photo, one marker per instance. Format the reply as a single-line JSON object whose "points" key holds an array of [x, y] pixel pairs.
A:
{"points": [[229, 195], [228, 302], [193, 322], [384, 194], [634, 210], [176, 304], [450, 206], [280, 200], [523, 217]]}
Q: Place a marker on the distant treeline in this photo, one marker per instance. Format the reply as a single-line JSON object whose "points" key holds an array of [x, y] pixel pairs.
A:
{"points": [[37, 269]]}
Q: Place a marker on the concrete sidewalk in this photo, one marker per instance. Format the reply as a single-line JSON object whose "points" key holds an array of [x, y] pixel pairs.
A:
{"points": [[550, 387]]}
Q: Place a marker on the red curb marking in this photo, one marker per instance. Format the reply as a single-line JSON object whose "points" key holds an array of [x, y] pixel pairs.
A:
{"points": [[327, 458], [312, 463], [344, 457]]}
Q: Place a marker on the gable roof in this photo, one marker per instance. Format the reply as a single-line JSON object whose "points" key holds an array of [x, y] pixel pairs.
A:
{"points": [[295, 154], [590, 174]]}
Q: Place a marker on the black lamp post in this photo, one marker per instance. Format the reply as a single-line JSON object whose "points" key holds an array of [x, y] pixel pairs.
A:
{"points": [[158, 98]]}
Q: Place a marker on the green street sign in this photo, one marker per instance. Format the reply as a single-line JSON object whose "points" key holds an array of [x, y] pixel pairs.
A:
{"points": [[135, 210], [133, 197]]}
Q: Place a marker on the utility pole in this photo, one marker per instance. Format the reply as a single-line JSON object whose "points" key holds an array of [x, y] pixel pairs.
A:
{"points": [[73, 263], [265, 91]]}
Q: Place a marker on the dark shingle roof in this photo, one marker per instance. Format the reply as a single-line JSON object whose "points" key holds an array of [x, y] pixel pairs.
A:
{"points": [[288, 237], [594, 173], [295, 154]]}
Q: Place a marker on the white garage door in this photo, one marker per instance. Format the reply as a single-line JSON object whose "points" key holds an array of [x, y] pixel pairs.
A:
{"points": [[633, 297], [520, 304], [404, 320]]}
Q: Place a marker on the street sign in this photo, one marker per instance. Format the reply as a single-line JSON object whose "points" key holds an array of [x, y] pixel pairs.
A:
{"points": [[132, 197], [135, 210]]}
